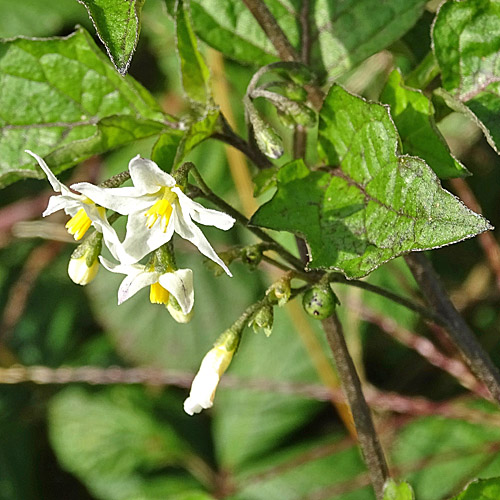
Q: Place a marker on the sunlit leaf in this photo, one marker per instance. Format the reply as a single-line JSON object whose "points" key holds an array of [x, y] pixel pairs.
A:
{"points": [[118, 24], [62, 99], [466, 41], [194, 71], [370, 204], [398, 491], [413, 114]]}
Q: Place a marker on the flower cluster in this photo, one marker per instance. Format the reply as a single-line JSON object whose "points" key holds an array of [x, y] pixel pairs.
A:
{"points": [[156, 207]]}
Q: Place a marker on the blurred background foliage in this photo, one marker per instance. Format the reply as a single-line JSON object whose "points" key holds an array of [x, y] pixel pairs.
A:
{"points": [[273, 433]]}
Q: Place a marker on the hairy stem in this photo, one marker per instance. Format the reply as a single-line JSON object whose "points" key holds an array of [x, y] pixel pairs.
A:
{"points": [[463, 337], [367, 437]]}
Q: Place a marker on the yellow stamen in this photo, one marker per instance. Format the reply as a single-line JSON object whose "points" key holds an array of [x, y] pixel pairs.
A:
{"points": [[78, 224], [161, 209], [158, 294]]}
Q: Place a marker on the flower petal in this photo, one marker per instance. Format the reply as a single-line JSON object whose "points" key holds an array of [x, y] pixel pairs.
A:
{"points": [[69, 204], [124, 200], [135, 282], [100, 222], [205, 216], [180, 284], [136, 279], [121, 268], [56, 185], [141, 240], [189, 231], [147, 176]]}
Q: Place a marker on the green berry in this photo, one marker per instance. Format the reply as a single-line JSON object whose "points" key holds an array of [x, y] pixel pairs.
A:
{"points": [[319, 301]]}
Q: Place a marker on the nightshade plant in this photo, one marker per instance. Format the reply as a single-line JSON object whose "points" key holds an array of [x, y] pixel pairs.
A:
{"points": [[353, 172]]}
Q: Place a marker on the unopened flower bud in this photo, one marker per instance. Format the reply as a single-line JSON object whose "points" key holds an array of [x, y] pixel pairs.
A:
{"points": [[263, 318], [268, 140], [212, 367], [320, 301], [84, 261], [280, 291]]}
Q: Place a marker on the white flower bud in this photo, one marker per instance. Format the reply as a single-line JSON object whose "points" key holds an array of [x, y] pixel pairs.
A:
{"points": [[84, 262], [205, 383], [80, 272]]}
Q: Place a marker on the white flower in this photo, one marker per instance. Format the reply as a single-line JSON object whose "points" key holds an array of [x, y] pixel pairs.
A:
{"points": [[213, 365], [156, 208], [179, 283], [83, 210]]}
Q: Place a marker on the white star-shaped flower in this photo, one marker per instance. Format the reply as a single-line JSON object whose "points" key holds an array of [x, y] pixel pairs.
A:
{"points": [[157, 207], [83, 210], [179, 283]]}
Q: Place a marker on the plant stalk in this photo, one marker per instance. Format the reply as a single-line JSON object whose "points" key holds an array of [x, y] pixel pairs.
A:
{"points": [[272, 29], [463, 337], [367, 437]]}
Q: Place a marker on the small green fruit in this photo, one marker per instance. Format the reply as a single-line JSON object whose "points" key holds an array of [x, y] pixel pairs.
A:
{"points": [[319, 301]]}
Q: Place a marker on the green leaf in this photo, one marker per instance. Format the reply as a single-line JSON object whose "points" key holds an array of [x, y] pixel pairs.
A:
{"points": [[174, 145], [395, 491], [413, 114], [342, 33], [375, 206], [118, 24], [194, 71], [324, 469], [264, 180], [109, 439], [466, 41], [442, 454], [481, 489], [62, 99]]}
